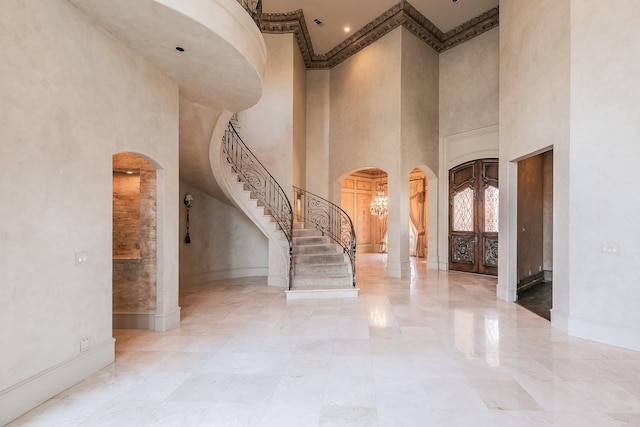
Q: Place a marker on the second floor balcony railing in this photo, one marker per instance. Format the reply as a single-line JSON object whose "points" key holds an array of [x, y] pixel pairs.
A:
{"points": [[253, 8]]}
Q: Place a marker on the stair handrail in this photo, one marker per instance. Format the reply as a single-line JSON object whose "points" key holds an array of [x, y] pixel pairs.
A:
{"points": [[330, 219], [261, 183]]}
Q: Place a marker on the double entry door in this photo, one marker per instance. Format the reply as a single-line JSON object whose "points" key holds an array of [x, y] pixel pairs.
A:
{"points": [[473, 217]]}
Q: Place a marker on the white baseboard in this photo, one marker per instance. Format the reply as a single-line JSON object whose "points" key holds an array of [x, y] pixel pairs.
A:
{"points": [[400, 270], [123, 320], [433, 262], [506, 294], [27, 394], [277, 281], [150, 321], [232, 273], [168, 321], [605, 333]]}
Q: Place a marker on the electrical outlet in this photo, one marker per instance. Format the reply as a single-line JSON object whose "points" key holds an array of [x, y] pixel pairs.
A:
{"points": [[82, 257], [84, 344]]}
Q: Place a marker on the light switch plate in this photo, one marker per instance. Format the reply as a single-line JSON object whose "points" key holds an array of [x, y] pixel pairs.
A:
{"points": [[610, 248]]}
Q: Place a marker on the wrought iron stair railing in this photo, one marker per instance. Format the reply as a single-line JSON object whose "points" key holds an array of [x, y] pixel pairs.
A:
{"points": [[253, 8], [261, 183], [328, 218]]}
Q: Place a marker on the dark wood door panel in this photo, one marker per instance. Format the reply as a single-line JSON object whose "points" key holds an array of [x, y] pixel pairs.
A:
{"points": [[473, 197]]}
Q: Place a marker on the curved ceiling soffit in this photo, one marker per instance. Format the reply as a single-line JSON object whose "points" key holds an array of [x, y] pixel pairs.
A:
{"points": [[402, 14], [206, 31]]}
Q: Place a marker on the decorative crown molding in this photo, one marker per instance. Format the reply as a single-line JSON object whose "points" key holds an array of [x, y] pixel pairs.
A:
{"points": [[401, 14]]}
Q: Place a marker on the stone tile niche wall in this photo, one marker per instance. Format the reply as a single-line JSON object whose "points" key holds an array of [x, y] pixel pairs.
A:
{"points": [[126, 214], [134, 241]]}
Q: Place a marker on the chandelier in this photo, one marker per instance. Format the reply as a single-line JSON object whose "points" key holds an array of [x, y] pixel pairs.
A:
{"points": [[380, 205]]}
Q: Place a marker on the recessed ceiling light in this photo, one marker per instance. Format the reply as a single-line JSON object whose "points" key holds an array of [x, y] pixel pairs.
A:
{"points": [[179, 49], [347, 29]]}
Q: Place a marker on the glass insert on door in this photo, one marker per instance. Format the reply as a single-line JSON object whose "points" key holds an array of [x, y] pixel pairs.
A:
{"points": [[463, 210], [491, 208]]}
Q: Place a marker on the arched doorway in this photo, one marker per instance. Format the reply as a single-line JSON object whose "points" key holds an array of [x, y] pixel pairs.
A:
{"points": [[134, 243], [358, 191], [418, 214], [473, 217]]}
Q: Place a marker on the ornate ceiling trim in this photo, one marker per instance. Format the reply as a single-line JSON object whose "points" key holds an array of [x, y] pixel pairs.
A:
{"points": [[402, 14], [470, 29]]}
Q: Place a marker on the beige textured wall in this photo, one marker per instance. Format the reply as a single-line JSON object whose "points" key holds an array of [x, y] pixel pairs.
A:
{"points": [[419, 104], [224, 241], [418, 140], [72, 97], [605, 131], [534, 115], [317, 138], [268, 127], [469, 80], [568, 80], [365, 110], [299, 119]]}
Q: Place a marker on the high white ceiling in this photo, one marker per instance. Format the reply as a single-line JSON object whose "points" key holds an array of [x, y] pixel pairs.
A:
{"points": [[337, 14]]}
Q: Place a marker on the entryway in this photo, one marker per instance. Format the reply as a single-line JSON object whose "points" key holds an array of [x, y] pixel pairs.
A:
{"points": [[134, 242], [535, 233], [473, 217]]}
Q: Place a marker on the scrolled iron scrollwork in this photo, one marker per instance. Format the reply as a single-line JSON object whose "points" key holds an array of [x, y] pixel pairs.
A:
{"points": [[331, 220], [260, 182], [463, 249], [491, 251]]}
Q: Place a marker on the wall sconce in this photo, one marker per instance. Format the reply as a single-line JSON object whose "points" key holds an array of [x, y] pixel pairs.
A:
{"points": [[188, 198]]}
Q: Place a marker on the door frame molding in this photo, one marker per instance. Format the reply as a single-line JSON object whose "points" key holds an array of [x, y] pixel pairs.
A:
{"points": [[477, 176], [456, 149]]}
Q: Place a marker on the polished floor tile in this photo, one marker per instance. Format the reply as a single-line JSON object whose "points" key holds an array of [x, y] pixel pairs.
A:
{"points": [[435, 349]]}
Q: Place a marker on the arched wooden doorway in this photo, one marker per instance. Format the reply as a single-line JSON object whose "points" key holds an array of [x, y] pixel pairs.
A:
{"points": [[473, 217], [134, 244]]}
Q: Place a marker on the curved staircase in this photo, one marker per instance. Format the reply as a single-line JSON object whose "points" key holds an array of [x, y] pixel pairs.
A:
{"points": [[309, 258], [321, 269]]}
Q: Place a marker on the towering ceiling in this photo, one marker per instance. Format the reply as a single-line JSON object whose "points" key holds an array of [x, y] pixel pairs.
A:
{"points": [[335, 15], [319, 26]]}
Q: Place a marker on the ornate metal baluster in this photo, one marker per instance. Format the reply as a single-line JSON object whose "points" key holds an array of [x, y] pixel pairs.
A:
{"points": [[261, 183], [331, 220]]}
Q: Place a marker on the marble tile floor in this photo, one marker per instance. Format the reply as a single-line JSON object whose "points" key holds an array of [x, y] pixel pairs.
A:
{"points": [[435, 350]]}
